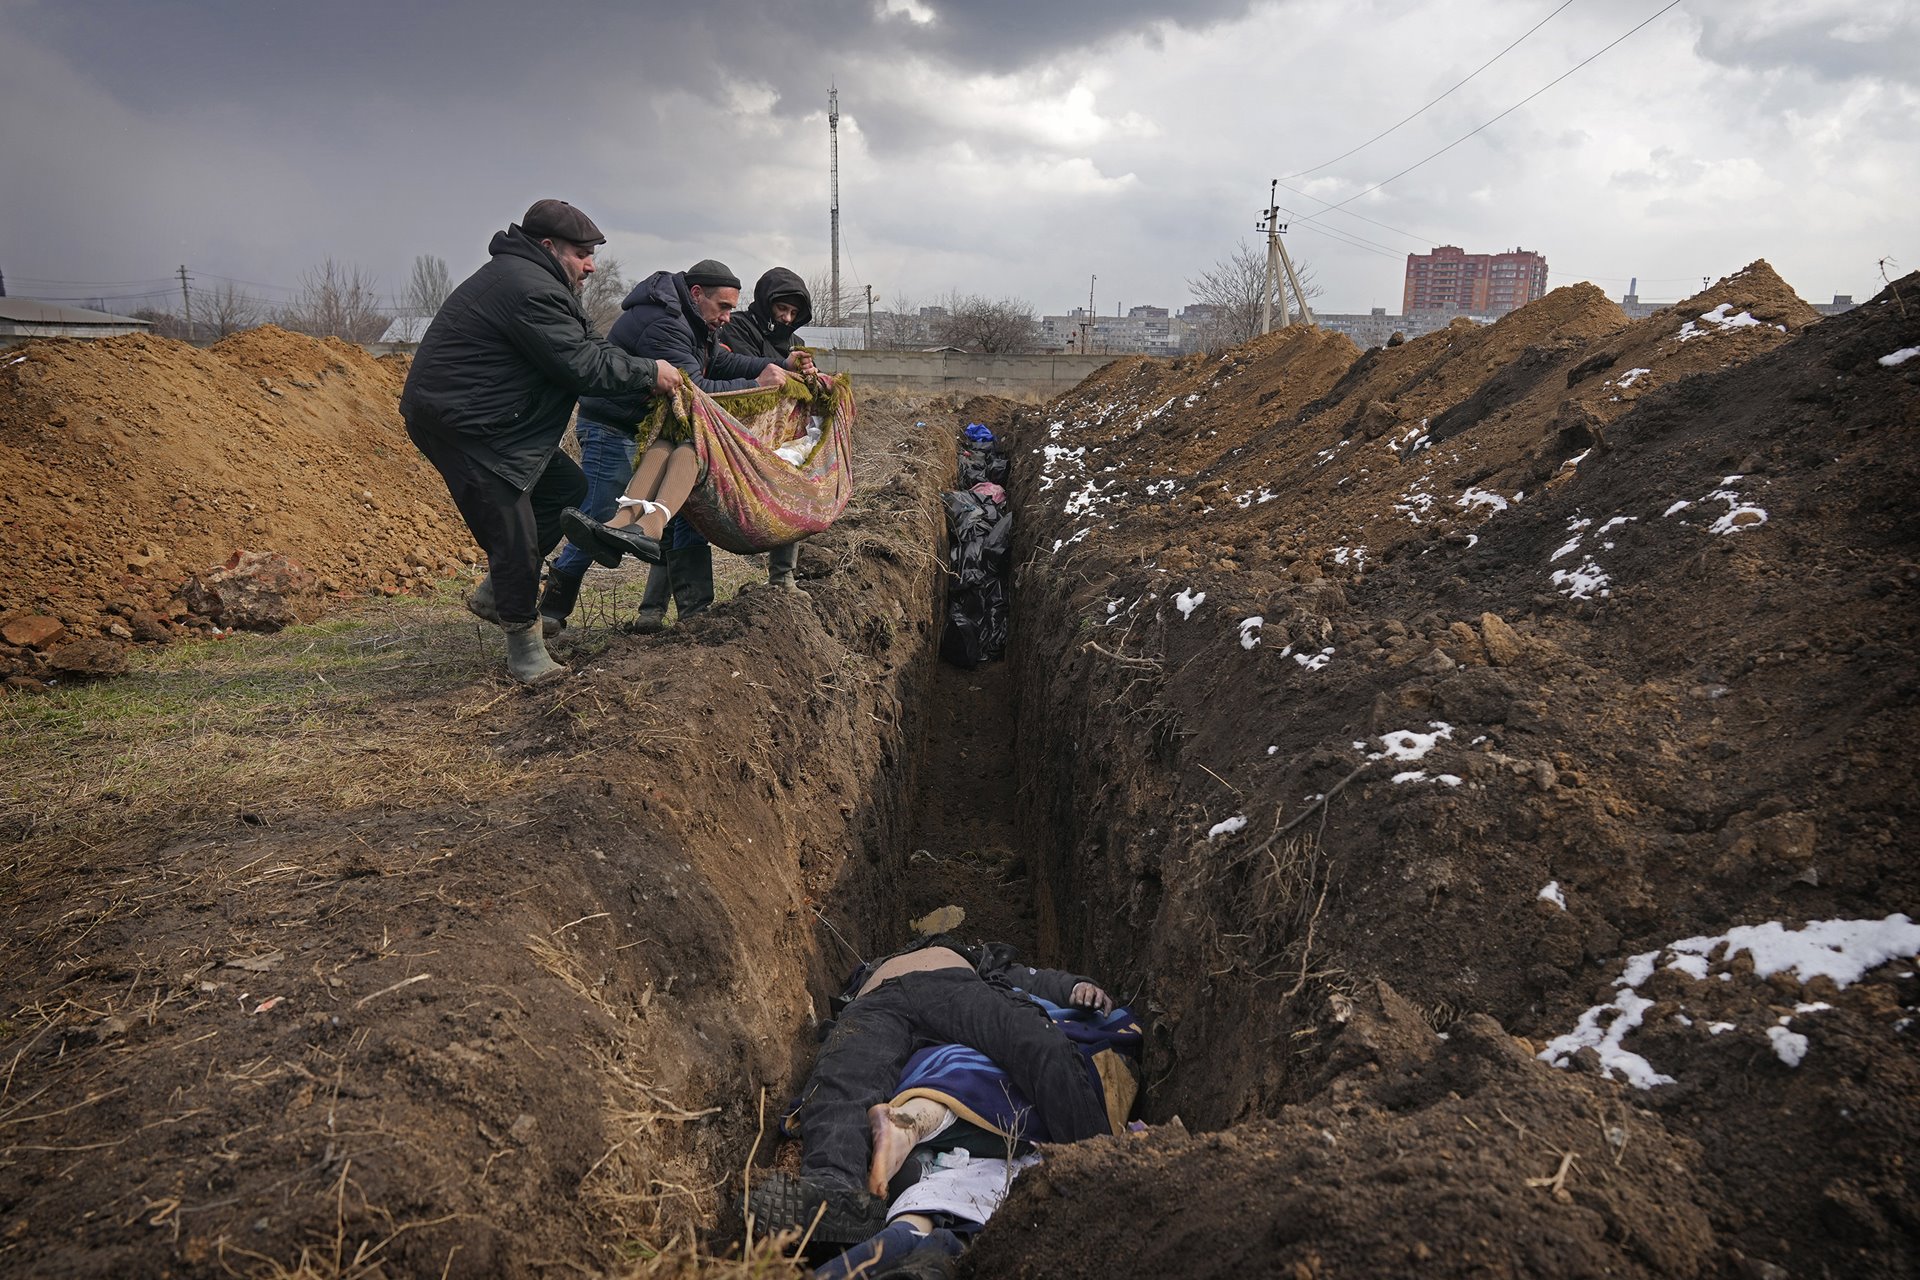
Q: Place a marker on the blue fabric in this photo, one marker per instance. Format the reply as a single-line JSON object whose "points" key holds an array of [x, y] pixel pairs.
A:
{"points": [[977, 1083], [680, 534], [878, 1254], [978, 434], [606, 455]]}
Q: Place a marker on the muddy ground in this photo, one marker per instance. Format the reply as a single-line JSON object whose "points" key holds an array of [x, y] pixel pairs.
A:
{"points": [[372, 964]]}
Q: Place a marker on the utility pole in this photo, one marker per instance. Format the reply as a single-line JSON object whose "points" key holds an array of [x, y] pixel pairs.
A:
{"points": [[3, 284], [869, 317], [833, 134], [1086, 326], [186, 303], [1278, 265]]}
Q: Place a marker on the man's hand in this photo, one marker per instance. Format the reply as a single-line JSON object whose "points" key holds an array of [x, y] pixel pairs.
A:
{"points": [[801, 361], [1088, 996], [667, 377], [772, 376]]}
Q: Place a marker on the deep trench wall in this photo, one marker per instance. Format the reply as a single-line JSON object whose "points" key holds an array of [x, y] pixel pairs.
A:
{"points": [[521, 1024]]}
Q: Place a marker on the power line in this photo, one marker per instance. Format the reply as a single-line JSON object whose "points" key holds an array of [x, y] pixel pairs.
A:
{"points": [[1509, 111], [1476, 71]]}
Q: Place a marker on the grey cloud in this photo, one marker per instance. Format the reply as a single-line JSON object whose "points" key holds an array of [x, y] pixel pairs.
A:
{"points": [[1878, 41]]}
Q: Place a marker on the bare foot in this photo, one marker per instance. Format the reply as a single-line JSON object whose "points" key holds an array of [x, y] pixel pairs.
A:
{"points": [[893, 1138]]}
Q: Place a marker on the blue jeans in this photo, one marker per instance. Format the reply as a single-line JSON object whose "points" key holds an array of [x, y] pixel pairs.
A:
{"points": [[606, 455]]}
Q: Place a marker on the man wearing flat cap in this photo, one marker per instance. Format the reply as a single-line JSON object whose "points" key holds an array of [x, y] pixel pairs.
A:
{"points": [[489, 396], [675, 316]]}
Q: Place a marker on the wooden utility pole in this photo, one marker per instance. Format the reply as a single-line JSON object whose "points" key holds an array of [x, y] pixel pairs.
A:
{"points": [[186, 303], [869, 317], [1086, 326]]}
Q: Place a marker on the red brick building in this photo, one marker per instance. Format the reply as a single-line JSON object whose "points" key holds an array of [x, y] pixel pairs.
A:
{"points": [[1451, 279]]}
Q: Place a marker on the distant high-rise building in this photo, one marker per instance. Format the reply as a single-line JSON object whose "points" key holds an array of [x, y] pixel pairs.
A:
{"points": [[1451, 279]]}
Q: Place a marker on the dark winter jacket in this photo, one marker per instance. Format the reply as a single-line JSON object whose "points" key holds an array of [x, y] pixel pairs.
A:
{"points": [[506, 356], [753, 333], [658, 320], [995, 962]]}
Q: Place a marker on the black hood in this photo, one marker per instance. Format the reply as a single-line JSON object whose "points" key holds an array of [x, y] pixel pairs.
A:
{"points": [[774, 285]]}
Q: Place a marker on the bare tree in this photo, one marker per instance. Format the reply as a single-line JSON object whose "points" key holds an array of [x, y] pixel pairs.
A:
{"points": [[336, 300], [226, 310], [853, 301], [166, 324], [899, 326], [428, 287], [975, 323], [605, 289], [1229, 292]]}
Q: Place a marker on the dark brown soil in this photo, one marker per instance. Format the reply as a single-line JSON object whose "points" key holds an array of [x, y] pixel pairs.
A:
{"points": [[1718, 739], [525, 1027]]}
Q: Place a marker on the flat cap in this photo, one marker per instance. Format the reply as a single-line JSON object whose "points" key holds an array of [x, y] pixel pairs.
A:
{"points": [[558, 220], [712, 274]]}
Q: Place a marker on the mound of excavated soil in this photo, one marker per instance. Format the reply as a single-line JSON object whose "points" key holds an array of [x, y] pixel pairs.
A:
{"points": [[134, 462], [1461, 674]]}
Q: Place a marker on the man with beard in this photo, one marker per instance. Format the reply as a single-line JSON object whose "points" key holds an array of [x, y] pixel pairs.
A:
{"points": [[489, 396]]}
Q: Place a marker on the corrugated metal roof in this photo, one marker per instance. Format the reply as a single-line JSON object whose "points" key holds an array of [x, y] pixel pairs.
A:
{"points": [[28, 311]]}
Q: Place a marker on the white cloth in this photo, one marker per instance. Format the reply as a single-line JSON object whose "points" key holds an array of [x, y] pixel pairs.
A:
{"points": [[966, 1186]]}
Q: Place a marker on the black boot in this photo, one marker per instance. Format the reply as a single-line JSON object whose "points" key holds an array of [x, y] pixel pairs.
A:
{"points": [[556, 602], [692, 569]]}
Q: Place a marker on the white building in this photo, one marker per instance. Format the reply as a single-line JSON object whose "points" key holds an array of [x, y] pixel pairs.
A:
{"points": [[25, 318]]}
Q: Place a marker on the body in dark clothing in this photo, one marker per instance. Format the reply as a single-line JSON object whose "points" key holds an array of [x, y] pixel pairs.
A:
{"points": [[980, 1005], [488, 397]]}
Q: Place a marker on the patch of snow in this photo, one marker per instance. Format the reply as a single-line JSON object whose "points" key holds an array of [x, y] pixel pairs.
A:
{"points": [[1226, 826], [1553, 893], [1677, 507], [1585, 582], [1720, 1028], [1078, 537], [1480, 498], [1742, 515], [1717, 319], [1250, 631], [1791, 1046], [1314, 661], [1891, 359], [1406, 744], [1188, 600], [1628, 378]]}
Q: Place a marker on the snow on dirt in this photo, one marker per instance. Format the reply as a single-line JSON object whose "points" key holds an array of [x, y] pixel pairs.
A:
{"points": [[1704, 722]]}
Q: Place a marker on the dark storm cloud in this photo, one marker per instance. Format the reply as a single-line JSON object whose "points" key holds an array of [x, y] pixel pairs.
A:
{"points": [[344, 55]]}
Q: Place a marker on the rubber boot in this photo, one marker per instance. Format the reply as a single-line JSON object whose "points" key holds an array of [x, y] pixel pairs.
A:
{"points": [[653, 602], [527, 659], [781, 562], [692, 569], [556, 602], [481, 602]]}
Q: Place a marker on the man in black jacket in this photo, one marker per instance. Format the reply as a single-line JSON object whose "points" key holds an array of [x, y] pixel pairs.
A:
{"points": [[489, 396], [676, 317], [781, 304]]}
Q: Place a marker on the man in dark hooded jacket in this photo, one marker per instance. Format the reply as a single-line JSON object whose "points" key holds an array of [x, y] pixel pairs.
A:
{"points": [[488, 397], [676, 317], [781, 304]]}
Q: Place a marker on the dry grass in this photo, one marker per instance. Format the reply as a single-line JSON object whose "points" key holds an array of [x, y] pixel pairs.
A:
{"points": [[247, 727]]}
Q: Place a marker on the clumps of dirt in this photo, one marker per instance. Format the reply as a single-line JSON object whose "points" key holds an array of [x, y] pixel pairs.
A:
{"points": [[134, 462], [534, 1024], [1481, 666]]}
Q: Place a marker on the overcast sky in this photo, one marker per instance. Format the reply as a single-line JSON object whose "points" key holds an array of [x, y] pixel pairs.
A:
{"points": [[1003, 147]]}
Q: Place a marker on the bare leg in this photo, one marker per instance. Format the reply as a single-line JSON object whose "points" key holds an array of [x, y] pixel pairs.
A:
{"points": [[666, 476], [647, 474], [896, 1131]]}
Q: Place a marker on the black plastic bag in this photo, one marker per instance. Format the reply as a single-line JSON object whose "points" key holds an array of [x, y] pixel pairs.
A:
{"points": [[977, 465], [981, 535]]}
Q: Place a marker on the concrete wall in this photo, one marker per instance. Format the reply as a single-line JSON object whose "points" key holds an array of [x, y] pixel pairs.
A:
{"points": [[1046, 376]]}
